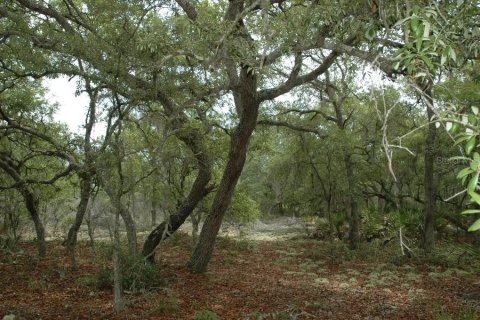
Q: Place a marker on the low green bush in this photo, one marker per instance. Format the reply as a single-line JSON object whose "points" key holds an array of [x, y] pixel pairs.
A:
{"points": [[205, 314]]}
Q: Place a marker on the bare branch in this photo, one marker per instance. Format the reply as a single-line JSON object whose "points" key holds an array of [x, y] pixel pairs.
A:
{"points": [[295, 81], [295, 127]]}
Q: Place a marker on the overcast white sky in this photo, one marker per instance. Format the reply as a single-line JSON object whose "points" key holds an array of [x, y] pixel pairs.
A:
{"points": [[71, 108]]}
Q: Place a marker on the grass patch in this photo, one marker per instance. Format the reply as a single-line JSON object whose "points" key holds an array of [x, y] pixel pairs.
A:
{"points": [[205, 314]]}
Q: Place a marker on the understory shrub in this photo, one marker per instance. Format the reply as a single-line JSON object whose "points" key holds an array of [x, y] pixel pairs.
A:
{"points": [[411, 220], [137, 276]]}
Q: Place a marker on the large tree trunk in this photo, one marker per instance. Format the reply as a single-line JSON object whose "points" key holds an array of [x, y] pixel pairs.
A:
{"points": [[247, 109], [198, 191], [429, 234], [71, 241], [31, 202]]}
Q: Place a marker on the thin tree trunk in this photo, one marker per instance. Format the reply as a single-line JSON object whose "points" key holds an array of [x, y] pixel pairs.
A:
{"points": [[330, 217], [131, 229], [153, 211], [198, 191], [31, 203], [337, 102], [353, 219], [118, 303], [429, 234], [85, 173], [247, 108], [196, 216], [71, 241], [90, 228]]}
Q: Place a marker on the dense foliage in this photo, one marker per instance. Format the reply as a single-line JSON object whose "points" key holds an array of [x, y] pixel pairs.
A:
{"points": [[358, 119]]}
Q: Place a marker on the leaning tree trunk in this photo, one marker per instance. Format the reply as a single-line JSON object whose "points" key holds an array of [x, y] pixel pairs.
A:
{"points": [[429, 234], [199, 190], [85, 173], [247, 108], [71, 241], [31, 202]]}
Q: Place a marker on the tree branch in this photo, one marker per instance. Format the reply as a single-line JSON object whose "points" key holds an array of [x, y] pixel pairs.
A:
{"points": [[295, 127], [189, 9]]}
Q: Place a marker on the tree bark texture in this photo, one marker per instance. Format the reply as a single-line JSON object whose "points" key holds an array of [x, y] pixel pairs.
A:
{"points": [[131, 229], [118, 303], [85, 174], [71, 241], [247, 108], [31, 203], [353, 219], [199, 190]]}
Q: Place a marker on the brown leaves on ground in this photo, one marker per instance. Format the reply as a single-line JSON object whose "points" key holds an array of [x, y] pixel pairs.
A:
{"points": [[246, 280]]}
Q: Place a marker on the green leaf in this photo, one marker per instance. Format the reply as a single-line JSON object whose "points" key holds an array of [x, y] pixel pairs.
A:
{"points": [[460, 2], [464, 172], [470, 145], [426, 31], [452, 54], [461, 139], [476, 156], [419, 44], [455, 128], [472, 119], [443, 59], [471, 211], [475, 196], [448, 126], [414, 23], [474, 165], [427, 61], [475, 226], [472, 184]]}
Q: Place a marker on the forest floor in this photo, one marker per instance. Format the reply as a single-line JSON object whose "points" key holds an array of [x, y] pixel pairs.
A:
{"points": [[250, 279]]}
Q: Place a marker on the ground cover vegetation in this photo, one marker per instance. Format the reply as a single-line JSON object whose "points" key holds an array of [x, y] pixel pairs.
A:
{"points": [[263, 159]]}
